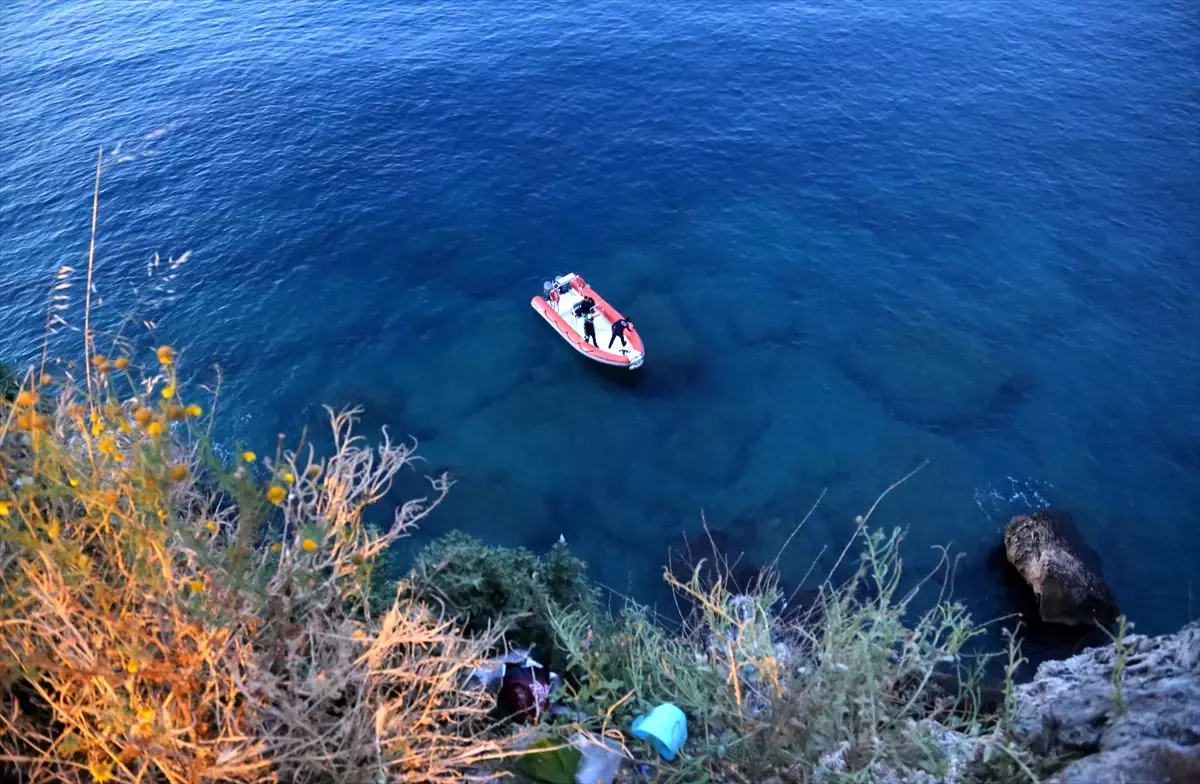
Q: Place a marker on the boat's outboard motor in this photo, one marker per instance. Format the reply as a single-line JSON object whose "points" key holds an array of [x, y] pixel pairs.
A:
{"points": [[547, 287]]}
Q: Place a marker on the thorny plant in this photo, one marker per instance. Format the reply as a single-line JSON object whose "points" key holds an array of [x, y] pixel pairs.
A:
{"points": [[167, 617]]}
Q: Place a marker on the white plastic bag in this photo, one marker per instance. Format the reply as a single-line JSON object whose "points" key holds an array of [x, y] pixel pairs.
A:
{"points": [[600, 760]]}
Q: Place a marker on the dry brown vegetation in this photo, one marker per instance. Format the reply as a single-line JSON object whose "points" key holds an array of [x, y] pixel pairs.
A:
{"points": [[169, 618]]}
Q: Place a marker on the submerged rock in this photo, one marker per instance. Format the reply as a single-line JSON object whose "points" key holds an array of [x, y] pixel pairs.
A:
{"points": [[1068, 591], [1151, 735], [930, 374]]}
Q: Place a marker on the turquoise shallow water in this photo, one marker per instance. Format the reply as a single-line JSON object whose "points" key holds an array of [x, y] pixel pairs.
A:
{"points": [[854, 236]]}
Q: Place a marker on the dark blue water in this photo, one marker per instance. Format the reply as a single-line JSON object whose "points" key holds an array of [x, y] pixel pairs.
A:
{"points": [[855, 236]]}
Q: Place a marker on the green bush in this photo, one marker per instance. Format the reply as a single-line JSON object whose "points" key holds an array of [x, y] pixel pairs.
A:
{"points": [[484, 586], [844, 696]]}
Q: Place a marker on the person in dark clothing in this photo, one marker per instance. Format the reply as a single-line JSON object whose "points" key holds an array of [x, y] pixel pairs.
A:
{"points": [[585, 307], [618, 331], [589, 331]]}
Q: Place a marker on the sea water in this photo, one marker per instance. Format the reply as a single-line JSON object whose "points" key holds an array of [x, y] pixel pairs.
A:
{"points": [[856, 237]]}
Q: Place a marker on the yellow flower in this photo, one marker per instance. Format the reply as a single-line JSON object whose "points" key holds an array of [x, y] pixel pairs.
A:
{"points": [[101, 771], [97, 427], [179, 472], [176, 412], [277, 548], [118, 457], [107, 446], [36, 421], [143, 416], [166, 354], [23, 421], [276, 494], [83, 561], [168, 391], [194, 410], [53, 530], [196, 585], [124, 427], [145, 714], [47, 379], [3, 510], [155, 429], [120, 363], [249, 456], [26, 398], [73, 482], [309, 545], [211, 526], [289, 477], [99, 359], [132, 667]]}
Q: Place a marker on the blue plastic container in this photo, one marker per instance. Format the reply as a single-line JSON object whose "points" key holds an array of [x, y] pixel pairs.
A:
{"points": [[665, 727]]}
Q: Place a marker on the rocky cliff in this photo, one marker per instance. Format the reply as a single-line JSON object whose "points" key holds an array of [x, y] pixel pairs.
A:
{"points": [[1127, 713]]}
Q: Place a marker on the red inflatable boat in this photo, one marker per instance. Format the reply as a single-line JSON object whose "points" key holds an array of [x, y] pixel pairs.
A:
{"points": [[562, 305]]}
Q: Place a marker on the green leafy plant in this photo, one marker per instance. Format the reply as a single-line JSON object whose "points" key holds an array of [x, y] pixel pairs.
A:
{"points": [[1121, 653], [550, 762], [483, 586], [846, 691]]}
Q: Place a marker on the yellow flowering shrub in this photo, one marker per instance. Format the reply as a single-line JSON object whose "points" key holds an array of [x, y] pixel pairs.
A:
{"points": [[153, 631]]}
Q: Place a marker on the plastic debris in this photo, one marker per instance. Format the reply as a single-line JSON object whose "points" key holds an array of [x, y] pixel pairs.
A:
{"points": [[600, 759], [665, 727], [492, 672], [525, 686]]}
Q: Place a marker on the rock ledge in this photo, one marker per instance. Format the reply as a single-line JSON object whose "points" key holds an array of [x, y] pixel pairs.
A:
{"points": [[1069, 709]]}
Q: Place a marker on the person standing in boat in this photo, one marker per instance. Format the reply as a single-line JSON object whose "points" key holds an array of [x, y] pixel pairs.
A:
{"points": [[618, 331], [589, 330]]}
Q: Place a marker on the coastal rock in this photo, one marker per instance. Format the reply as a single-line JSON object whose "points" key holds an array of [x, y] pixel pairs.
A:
{"points": [[1069, 592], [1070, 709]]}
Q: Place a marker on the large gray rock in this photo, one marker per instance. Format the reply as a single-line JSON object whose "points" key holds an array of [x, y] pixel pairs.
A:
{"points": [[1068, 591], [1069, 709]]}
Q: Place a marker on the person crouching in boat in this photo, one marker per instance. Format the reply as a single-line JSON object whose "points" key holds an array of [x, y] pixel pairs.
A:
{"points": [[618, 331], [589, 330], [585, 306]]}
